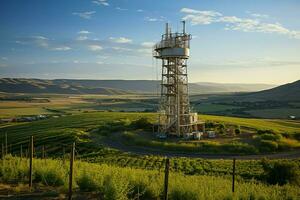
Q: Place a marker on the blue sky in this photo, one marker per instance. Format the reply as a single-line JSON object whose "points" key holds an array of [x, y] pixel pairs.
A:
{"points": [[254, 41]]}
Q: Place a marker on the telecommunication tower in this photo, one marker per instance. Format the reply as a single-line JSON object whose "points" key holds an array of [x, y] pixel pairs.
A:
{"points": [[175, 117]]}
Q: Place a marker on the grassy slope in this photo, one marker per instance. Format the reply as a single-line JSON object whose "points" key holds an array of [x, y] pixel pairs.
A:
{"points": [[58, 133], [124, 183], [64, 130], [264, 124], [87, 121], [287, 92]]}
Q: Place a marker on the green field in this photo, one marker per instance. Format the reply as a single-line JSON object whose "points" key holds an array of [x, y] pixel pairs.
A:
{"points": [[127, 183], [275, 113], [27, 105], [13, 105], [208, 107], [91, 129], [275, 125], [85, 127]]}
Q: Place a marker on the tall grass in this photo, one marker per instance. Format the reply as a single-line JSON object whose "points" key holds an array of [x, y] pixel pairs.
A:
{"points": [[209, 147], [126, 183]]}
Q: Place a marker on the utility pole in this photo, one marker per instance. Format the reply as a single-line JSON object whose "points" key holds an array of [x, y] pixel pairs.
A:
{"points": [[30, 163], [71, 170]]}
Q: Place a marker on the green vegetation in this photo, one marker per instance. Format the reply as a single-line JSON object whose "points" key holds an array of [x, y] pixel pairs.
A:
{"points": [[9, 112], [278, 126], [91, 130], [281, 172], [209, 147], [212, 108], [127, 183]]}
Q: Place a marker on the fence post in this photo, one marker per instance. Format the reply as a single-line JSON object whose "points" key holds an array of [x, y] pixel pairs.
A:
{"points": [[71, 170], [233, 174], [43, 152], [166, 179], [31, 158], [5, 143], [2, 151], [21, 151]]}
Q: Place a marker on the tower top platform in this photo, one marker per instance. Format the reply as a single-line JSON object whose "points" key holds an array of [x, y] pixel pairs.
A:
{"points": [[173, 44]]}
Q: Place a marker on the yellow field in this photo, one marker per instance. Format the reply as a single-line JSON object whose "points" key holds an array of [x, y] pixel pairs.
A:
{"points": [[18, 108]]}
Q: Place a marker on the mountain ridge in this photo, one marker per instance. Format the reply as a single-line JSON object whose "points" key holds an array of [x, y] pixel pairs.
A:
{"points": [[118, 86]]}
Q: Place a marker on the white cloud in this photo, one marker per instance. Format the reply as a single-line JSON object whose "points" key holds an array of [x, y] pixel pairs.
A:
{"points": [[38, 37], [197, 17], [257, 15], [4, 58], [148, 44], [121, 40], [154, 19], [84, 32], [62, 48], [201, 12], [20, 42], [82, 37], [121, 49], [139, 10], [99, 62], [122, 9], [101, 2], [95, 47], [40, 41], [200, 17], [85, 15]]}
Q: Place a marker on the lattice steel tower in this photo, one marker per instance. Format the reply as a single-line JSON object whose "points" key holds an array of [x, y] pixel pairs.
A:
{"points": [[174, 115]]}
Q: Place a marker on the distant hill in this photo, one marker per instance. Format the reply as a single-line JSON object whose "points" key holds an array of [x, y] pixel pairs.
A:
{"points": [[287, 92], [75, 86], [236, 87], [10, 85]]}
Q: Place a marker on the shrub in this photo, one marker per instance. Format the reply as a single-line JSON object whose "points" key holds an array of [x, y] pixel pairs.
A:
{"points": [[281, 172], [267, 145], [268, 136], [296, 136], [210, 124], [180, 194], [141, 191], [237, 130], [287, 144], [50, 174], [115, 188], [238, 147], [86, 183], [260, 132], [221, 128], [142, 123]]}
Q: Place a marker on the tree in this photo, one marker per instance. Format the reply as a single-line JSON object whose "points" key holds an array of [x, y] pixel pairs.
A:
{"points": [[281, 172], [221, 128], [237, 130]]}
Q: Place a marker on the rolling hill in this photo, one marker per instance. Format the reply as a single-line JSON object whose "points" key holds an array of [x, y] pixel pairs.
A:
{"points": [[287, 92], [73, 86]]}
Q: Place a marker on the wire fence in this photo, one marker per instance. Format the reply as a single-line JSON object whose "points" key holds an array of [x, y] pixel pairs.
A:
{"points": [[41, 151]]}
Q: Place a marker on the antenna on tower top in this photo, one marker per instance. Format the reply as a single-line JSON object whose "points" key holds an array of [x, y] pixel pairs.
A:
{"points": [[183, 27], [167, 29]]}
